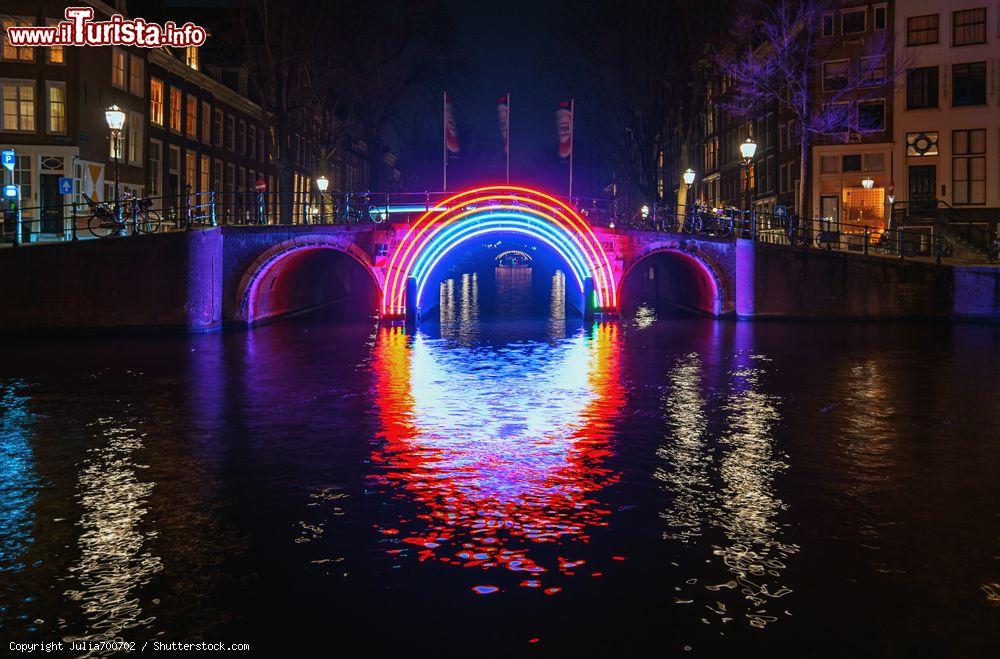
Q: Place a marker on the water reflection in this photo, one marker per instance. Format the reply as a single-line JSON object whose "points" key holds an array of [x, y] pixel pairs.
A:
{"points": [[721, 485], [749, 508], [501, 448], [557, 306], [115, 559], [18, 483]]}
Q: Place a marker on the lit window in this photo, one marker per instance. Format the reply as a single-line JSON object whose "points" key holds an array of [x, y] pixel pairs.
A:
{"points": [[155, 167], [190, 171], [18, 105], [922, 144], [191, 57], [56, 93], [192, 117], [118, 65], [204, 174], [12, 53], [136, 75], [175, 109], [968, 27], [156, 101], [55, 54]]}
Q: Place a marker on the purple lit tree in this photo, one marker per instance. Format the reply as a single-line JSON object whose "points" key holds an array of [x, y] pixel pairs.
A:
{"points": [[790, 58]]}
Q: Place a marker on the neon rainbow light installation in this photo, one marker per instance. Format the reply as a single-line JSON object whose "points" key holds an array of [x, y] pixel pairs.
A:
{"points": [[500, 208]]}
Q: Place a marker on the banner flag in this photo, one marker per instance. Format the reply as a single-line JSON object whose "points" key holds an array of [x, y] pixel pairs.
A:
{"points": [[564, 128], [503, 117], [450, 129]]}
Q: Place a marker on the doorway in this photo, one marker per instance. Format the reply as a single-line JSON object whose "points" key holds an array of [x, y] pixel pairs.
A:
{"points": [[922, 182], [52, 204]]}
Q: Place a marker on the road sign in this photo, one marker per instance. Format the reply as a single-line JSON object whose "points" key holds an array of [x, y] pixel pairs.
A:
{"points": [[65, 185], [8, 158], [260, 185], [780, 211], [11, 192]]}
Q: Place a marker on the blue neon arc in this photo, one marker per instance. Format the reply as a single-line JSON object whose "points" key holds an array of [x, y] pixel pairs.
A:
{"points": [[441, 243], [479, 225]]}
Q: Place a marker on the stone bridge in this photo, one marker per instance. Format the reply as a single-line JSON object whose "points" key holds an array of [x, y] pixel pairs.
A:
{"points": [[203, 278]]}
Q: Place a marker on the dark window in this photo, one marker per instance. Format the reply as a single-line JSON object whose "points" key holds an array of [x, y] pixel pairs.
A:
{"points": [[827, 25], [969, 83], [871, 116], [922, 88], [836, 75], [851, 164], [921, 30], [880, 17], [852, 21], [968, 166], [968, 27]]}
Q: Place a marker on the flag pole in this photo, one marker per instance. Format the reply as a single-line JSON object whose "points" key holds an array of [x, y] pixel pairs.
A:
{"points": [[507, 146], [444, 143], [572, 145]]}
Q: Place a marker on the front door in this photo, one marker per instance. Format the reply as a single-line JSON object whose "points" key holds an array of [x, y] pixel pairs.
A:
{"points": [[922, 181], [52, 204]]}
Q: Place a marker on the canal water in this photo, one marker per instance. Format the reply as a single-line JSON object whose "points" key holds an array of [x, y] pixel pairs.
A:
{"points": [[508, 481]]}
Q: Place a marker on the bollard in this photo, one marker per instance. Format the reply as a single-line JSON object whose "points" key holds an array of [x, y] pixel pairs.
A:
{"points": [[411, 311], [866, 240]]}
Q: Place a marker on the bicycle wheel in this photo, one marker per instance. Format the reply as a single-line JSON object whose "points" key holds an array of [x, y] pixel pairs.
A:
{"points": [[103, 225], [149, 222]]}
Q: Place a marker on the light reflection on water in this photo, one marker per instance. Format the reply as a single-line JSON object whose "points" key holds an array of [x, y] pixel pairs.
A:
{"points": [[501, 448], [115, 559], [687, 483]]}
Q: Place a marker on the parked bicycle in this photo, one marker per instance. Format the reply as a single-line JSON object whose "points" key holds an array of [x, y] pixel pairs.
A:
{"points": [[104, 222]]}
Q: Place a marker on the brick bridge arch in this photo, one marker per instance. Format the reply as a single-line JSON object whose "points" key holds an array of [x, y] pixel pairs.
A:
{"points": [[712, 263], [265, 270]]}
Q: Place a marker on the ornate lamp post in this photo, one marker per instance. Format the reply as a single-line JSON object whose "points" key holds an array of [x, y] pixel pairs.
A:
{"points": [[322, 183], [116, 121], [747, 150]]}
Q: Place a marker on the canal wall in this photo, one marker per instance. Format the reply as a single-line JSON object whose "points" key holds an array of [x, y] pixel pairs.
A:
{"points": [[775, 281], [171, 280], [200, 279]]}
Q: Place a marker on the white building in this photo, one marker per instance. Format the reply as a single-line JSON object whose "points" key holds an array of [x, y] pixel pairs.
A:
{"points": [[946, 123]]}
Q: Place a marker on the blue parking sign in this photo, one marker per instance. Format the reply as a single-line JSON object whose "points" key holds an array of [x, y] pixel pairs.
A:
{"points": [[65, 185], [8, 158]]}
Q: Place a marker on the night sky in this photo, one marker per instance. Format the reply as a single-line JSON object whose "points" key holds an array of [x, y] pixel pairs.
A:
{"points": [[511, 47]]}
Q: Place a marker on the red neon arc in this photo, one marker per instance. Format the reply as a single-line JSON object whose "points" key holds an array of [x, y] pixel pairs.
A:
{"points": [[461, 205]]}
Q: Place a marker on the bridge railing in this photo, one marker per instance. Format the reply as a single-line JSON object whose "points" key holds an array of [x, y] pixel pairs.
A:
{"points": [[817, 233]]}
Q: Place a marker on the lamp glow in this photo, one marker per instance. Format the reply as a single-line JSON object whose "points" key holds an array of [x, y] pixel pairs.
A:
{"points": [[115, 118], [322, 183], [748, 149], [689, 176], [868, 182]]}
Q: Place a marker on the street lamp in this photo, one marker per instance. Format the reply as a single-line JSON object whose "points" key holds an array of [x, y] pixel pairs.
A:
{"points": [[868, 182], [747, 150], [322, 183], [689, 177], [116, 121]]}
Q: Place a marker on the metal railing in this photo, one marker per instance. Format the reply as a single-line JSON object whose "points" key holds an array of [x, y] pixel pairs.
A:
{"points": [[148, 215]]}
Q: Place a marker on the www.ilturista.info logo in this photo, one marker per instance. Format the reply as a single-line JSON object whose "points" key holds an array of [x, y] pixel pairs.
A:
{"points": [[80, 29]]}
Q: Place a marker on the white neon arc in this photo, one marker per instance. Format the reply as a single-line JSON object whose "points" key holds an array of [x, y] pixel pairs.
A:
{"points": [[439, 243], [526, 232], [516, 252]]}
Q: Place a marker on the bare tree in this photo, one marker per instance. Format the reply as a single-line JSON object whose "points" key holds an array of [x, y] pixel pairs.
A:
{"points": [[777, 64]]}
